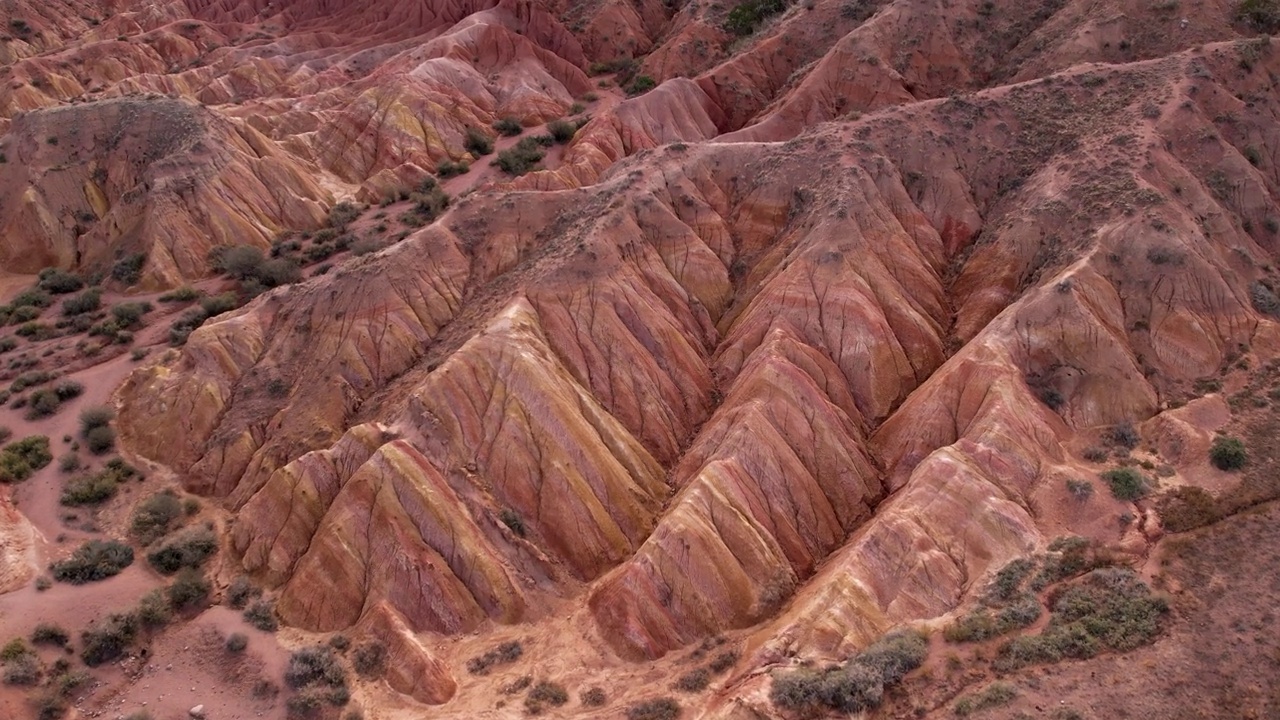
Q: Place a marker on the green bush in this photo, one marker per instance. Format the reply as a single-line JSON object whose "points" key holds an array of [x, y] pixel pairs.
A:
{"points": [[154, 610], [95, 560], [49, 634], [100, 440], [35, 298], [107, 640], [129, 314], [315, 665], [993, 695], [521, 158], [448, 169], [659, 709], [68, 390], [745, 18], [155, 517], [1109, 608], [42, 404], [1228, 453], [58, 282], [241, 591], [1126, 483], [508, 126], [562, 130], [261, 614], [190, 549], [20, 459], [1261, 15], [504, 654], [186, 293], [128, 270], [13, 650], [855, 686], [640, 85], [86, 302], [1186, 508], [477, 143], [188, 590], [237, 642], [24, 670], [89, 489], [369, 658]]}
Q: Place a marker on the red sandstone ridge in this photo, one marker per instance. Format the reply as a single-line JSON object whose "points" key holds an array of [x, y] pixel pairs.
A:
{"points": [[798, 347]]}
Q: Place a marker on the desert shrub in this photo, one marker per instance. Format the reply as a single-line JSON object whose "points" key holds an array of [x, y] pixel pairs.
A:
{"points": [[7, 343], [695, 680], [68, 390], [545, 693], [593, 697], [35, 331], [521, 158], [89, 489], [561, 130], [658, 709], [305, 704], [58, 282], [1008, 580], [504, 654], [449, 168], [86, 302], [23, 314], [128, 270], [129, 314], [241, 591], [1263, 300], [96, 416], [240, 262], [49, 634], [261, 614], [477, 142], [640, 85], [369, 658], [315, 665], [42, 404], [236, 642], [20, 459], [508, 126], [108, 639], [155, 517], [993, 695], [857, 685], [340, 642], [186, 293], [280, 271], [512, 520], [154, 610], [188, 590], [13, 650], [1126, 483], [217, 304], [1228, 453], [1186, 508], [34, 298], [1108, 608], [723, 661], [190, 549], [343, 214], [1124, 435], [745, 18], [23, 670], [1261, 15], [1080, 489], [100, 440], [976, 626], [95, 560]]}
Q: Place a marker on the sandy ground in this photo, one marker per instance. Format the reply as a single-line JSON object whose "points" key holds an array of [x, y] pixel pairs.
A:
{"points": [[185, 664]]}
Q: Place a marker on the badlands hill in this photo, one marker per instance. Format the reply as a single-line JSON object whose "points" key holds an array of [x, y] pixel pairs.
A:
{"points": [[640, 359]]}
